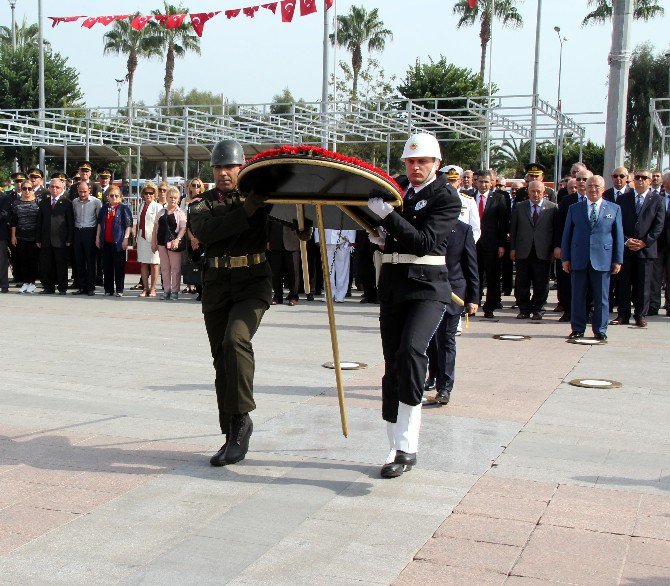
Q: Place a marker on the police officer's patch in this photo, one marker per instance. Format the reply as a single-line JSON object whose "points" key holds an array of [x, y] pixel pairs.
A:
{"points": [[420, 205]]}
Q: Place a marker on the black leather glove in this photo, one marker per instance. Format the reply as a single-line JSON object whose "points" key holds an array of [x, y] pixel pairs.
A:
{"points": [[253, 202]]}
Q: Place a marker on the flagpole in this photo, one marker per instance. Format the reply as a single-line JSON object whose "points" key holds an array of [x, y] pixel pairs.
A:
{"points": [[324, 79]]}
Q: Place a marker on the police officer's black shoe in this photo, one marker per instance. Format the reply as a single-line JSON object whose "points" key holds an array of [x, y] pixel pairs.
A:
{"points": [[429, 385], [218, 459], [241, 427], [442, 396], [403, 463]]}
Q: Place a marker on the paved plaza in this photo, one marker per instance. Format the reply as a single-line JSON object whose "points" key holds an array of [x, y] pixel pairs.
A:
{"points": [[108, 419]]}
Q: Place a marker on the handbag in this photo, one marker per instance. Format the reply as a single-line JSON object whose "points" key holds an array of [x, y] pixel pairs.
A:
{"points": [[172, 236]]}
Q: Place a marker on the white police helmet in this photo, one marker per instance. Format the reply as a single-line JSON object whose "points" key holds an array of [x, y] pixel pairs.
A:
{"points": [[421, 145]]}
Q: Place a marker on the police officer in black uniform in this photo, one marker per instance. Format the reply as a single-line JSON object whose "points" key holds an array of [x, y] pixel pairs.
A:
{"points": [[84, 173], [413, 291], [534, 172], [237, 290]]}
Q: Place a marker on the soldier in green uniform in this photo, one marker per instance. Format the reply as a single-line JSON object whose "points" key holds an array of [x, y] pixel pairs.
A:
{"points": [[237, 290]]}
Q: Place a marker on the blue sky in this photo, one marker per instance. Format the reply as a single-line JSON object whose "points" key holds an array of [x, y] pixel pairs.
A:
{"points": [[250, 60]]}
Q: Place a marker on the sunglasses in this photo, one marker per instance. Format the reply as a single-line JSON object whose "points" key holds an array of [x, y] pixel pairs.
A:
{"points": [[26, 189], [114, 195], [196, 185], [149, 192], [619, 176], [642, 177], [162, 189], [582, 178]]}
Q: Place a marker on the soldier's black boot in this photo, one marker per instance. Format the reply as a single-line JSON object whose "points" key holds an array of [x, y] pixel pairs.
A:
{"points": [[218, 459], [241, 427]]}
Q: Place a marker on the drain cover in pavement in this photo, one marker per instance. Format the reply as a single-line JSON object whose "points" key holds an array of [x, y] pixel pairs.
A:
{"points": [[511, 337], [595, 383], [346, 365]]}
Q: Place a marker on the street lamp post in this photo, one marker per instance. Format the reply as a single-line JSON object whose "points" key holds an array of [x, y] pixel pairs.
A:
{"points": [[12, 5], [558, 155], [119, 83], [40, 65], [536, 71], [667, 56]]}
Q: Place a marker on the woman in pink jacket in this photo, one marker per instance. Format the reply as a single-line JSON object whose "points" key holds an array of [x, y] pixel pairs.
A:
{"points": [[168, 240]]}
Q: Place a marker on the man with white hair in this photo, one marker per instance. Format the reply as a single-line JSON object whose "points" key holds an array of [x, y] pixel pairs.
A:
{"points": [[413, 291], [469, 212]]}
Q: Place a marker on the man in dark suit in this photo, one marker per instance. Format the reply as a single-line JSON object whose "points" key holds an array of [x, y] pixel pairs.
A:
{"points": [[464, 281], [642, 214], [55, 231], [660, 274], [619, 185], [532, 245], [576, 193], [494, 218], [591, 249]]}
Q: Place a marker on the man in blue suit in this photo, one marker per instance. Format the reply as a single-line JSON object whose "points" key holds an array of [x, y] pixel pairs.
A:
{"points": [[592, 249]]}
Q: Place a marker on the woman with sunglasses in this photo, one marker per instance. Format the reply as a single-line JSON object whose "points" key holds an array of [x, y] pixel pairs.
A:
{"points": [[148, 259], [24, 231], [161, 196], [191, 256], [114, 225]]}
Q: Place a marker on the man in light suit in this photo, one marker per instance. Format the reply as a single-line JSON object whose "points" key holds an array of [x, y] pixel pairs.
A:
{"points": [[642, 215], [591, 249], [532, 244]]}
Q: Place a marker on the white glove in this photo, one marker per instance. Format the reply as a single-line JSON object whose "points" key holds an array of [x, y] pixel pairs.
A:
{"points": [[378, 240], [379, 207]]}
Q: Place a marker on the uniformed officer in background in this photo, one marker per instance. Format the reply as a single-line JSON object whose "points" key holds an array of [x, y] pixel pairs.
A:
{"points": [[535, 172], [36, 176], [237, 290], [413, 291], [84, 171]]}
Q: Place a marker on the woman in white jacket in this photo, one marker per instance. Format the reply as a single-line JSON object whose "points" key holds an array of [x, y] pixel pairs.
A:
{"points": [[149, 260]]}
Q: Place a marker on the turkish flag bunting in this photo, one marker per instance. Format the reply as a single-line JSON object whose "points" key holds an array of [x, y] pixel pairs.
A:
{"points": [[271, 6], [307, 7], [58, 19], [232, 13], [198, 20], [329, 4], [250, 11], [121, 17], [161, 18], [472, 3], [90, 21], [105, 20], [175, 20], [287, 10], [139, 22]]}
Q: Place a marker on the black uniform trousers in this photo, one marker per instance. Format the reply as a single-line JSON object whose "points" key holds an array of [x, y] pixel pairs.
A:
{"points": [[488, 264], [406, 329], [285, 265], [315, 268], [85, 254], [365, 266], [230, 329], [660, 275], [113, 267], [442, 353], [634, 283], [53, 267], [534, 272]]}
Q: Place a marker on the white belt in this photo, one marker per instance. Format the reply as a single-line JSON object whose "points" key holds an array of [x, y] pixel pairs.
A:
{"points": [[410, 259]]}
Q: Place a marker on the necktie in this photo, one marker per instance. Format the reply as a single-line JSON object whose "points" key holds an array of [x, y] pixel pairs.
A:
{"points": [[593, 216], [482, 204], [410, 194], [616, 195], [536, 214], [638, 204], [53, 203]]}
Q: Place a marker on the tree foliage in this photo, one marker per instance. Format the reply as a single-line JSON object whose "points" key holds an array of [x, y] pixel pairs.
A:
{"points": [[25, 34], [505, 11], [602, 11], [439, 79], [357, 29], [647, 78]]}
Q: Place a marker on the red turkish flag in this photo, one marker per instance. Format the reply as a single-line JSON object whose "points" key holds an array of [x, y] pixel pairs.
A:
{"points": [[121, 17], [250, 11], [271, 6], [232, 13], [105, 20], [307, 7], [472, 3], [199, 19], [287, 10], [58, 19], [329, 4], [175, 20], [161, 18], [90, 21], [139, 22]]}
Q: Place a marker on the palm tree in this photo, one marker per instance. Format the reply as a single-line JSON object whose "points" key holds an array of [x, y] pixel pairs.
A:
{"points": [[359, 28], [643, 10], [175, 42], [505, 11], [125, 40], [26, 35]]}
